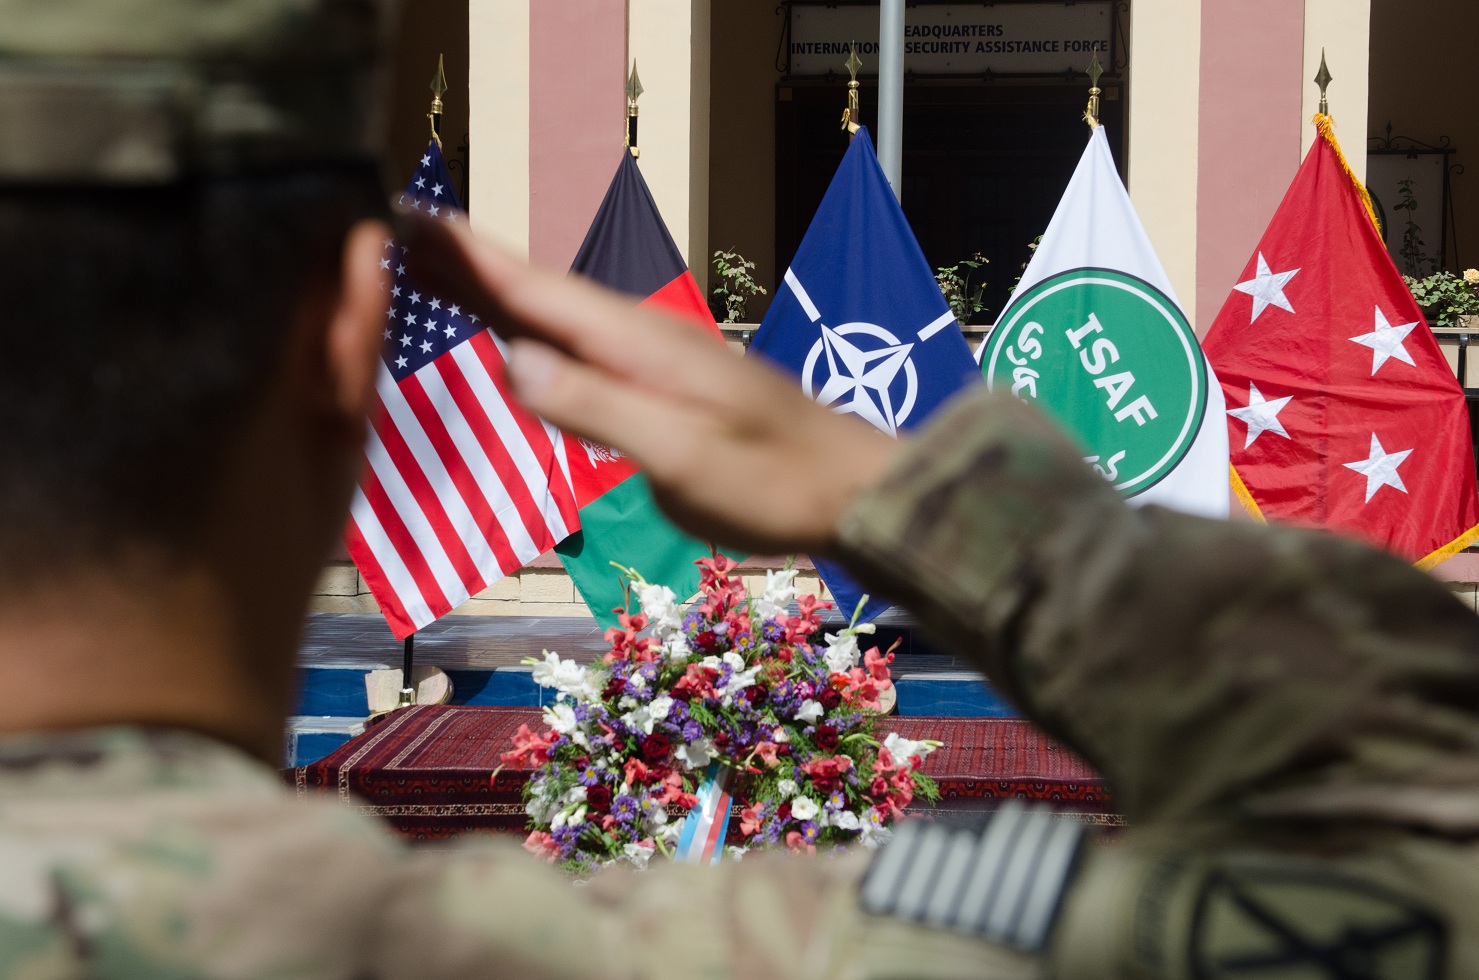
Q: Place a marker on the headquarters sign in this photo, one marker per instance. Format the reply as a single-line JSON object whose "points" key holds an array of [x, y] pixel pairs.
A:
{"points": [[972, 39]]}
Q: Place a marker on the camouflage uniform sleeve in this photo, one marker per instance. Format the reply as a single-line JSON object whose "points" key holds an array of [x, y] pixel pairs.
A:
{"points": [[1204, 667], [489, 909]]}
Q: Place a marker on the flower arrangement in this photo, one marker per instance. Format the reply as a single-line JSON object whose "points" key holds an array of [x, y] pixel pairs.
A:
{"points": [[736, 680]]}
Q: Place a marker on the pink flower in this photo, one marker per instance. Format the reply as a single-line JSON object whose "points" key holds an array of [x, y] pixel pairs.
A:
{"points": [[541, 844], [529, 749], [750, 819], [877, 665], [624, 642], [766, 751], [797, 843]]}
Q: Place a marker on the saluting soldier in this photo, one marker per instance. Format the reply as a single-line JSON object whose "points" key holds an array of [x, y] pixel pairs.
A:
{"points": [[191, 219]]}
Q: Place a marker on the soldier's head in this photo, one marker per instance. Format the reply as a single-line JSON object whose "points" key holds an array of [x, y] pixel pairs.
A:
{"points": [[189, 284]]}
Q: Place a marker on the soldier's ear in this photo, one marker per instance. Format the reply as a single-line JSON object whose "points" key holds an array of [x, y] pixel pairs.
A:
{"points": [[353, 334]]}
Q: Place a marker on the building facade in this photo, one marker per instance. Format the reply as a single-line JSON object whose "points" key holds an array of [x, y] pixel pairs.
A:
{"points": [[1207, 103]]}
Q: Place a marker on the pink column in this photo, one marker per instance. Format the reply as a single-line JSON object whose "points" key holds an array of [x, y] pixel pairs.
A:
{"points": [[1250, 126], [577, 74]]}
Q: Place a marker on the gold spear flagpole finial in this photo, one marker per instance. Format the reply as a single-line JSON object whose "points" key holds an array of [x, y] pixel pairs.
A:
{"points": [[852, 117], [1096, 71], [438, 89], [634, 92], [1323, 79]]}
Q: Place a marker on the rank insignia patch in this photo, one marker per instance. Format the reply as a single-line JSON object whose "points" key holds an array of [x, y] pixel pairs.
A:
{"points": [[1293, 925]]}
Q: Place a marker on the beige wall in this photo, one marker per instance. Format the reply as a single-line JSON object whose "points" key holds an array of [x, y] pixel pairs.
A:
{"points": [[498, 39], [1342, 30], [1422, 57], [1164, 93], [669, 40]]}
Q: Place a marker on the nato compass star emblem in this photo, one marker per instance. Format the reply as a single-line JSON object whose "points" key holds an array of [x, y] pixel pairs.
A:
{"points": [[862, 368]]}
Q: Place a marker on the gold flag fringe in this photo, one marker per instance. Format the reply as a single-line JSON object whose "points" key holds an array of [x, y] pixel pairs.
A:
{"points": [[1326, 126], [1245, 496], [1450, 549]]}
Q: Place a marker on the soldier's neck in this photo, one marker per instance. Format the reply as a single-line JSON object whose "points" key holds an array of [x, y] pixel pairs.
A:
{"points": [[96, 650]]}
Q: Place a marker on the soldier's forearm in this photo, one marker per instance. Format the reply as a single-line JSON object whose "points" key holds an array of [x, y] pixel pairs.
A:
{"points": [[1197, 663]]}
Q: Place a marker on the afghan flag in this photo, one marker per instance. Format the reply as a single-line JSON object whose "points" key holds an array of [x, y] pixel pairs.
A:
{"points": [[1343, 412], [629, 249]]}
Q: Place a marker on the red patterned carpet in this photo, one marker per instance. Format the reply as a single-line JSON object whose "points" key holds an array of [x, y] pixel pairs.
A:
{"points": [[426, 769]]}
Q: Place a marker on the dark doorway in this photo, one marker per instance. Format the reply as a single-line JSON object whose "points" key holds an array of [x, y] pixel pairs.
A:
{"points": [[984, 165]]}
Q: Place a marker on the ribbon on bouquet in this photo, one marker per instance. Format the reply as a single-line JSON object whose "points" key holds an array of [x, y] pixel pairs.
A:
{"points": [[706, 825]]}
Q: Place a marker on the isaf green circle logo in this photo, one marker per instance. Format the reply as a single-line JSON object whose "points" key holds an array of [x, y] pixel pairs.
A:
{"points": [[1114, 361]]}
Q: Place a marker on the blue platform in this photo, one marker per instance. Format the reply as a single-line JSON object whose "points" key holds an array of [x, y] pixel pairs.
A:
{"points": [[482, 658]]}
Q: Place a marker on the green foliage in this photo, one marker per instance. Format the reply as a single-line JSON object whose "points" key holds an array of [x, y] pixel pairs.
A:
{"points": [[1447, 295], [737, 286], [1413, 251], [964, 301], [1032, 247]]}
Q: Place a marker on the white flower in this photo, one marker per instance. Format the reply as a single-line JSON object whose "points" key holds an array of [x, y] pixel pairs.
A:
{"points": [[738, 853], [661, 607], [659, 707], [780, 590], [804, 808], [637, 682], [735, 661], [786, 787], [639, 854], [577, 817], [676, 647], [561, 717], [645, 716], [1471, 276], [872, 833], [810, 712], [842, 652], [696, 754], [903, 749], [780, 736], [846, 820], [565, 676], [540, 809], [576, 794]]}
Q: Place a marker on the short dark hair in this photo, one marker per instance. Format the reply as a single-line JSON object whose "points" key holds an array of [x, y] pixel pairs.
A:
{"points": [[138, 326]]}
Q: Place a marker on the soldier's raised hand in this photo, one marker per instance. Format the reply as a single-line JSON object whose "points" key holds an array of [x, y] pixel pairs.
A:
{"points": [[735, 452]]}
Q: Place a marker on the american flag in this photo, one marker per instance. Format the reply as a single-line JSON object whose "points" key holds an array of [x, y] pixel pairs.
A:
{"points": [[461, 485]]}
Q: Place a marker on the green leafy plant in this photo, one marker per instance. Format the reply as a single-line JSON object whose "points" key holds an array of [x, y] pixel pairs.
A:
{"points": [[737, 286], [1413, 251], [1031, 247], [965, 301], [1448, 296]]}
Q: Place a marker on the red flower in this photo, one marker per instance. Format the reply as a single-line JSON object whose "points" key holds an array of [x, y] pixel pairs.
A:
{"points": [[529, 749], [757, 693], [878, 789], [655, 747], [826, 738], [829, 698], [614, 689], [598, 798], [784, 813]]}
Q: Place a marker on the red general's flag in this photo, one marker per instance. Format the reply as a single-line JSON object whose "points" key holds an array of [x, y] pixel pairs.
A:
{"points": [[628, 249], [1343, 412]]}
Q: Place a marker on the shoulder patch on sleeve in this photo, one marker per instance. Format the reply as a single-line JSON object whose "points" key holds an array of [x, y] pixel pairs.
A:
{"points": [[1004, 882], [1265, 923]]}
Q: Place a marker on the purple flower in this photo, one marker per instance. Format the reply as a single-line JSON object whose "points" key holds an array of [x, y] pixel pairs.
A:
{"points": [[588, 776], [624, 808], [692, 731], [808, 830], [771, 631], [721, 628], [834, 803]]}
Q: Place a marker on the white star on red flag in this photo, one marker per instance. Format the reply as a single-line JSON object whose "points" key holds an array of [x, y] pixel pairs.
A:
{"points": [[1261, 415], [1386, 341], [1380, 468], [1267, 288]]}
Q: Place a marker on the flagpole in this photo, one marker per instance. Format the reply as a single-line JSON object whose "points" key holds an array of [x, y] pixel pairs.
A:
{"points": [[634, 92], [891, 93], [438, 89], [1091, 114], [852, 117]]}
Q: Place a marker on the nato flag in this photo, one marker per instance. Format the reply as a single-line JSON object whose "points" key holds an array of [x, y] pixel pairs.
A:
{"points": [[861, 320]]}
